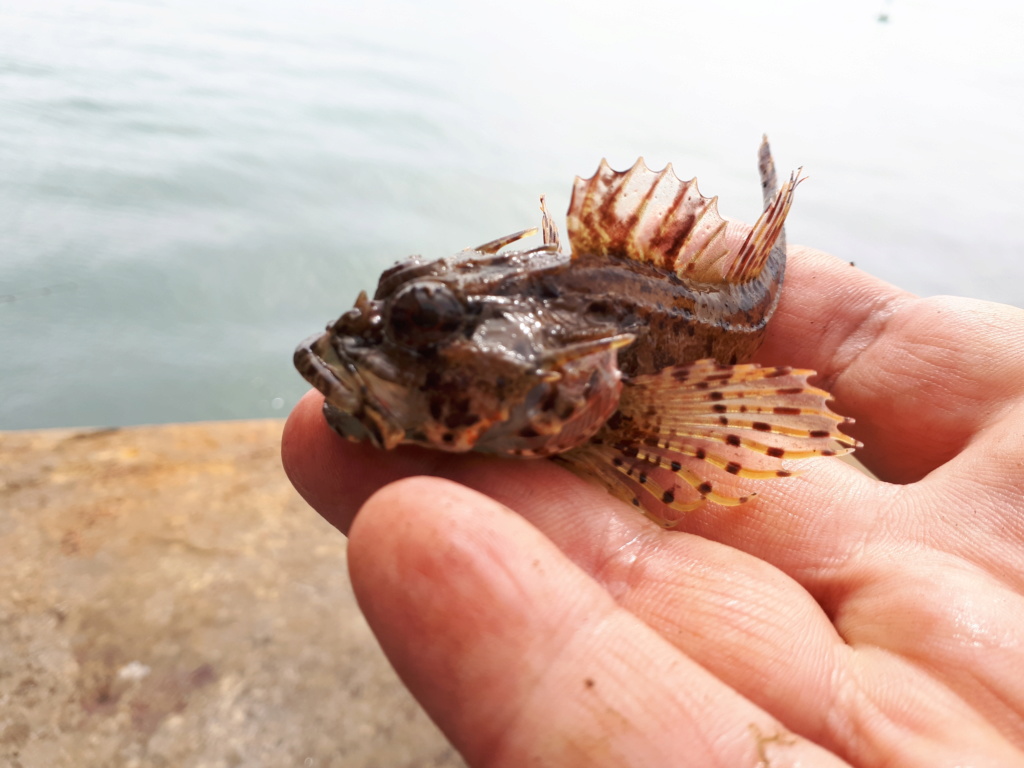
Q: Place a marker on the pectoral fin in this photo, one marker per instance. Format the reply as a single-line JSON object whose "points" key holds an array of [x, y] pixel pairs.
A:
{"points": [[685, 435]]}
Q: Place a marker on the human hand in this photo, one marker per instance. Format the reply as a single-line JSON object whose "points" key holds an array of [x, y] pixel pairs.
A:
{"points": [[833, 620]]}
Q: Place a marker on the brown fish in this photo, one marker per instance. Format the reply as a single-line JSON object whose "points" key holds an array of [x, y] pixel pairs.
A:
{"points": [[622, 360]]}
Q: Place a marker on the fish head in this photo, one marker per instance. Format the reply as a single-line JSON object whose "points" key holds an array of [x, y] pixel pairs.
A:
{"points": [[444, 356]]}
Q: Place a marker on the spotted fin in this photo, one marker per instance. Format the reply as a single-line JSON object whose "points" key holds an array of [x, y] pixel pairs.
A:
{"points": [[657, 218], [690, 434]]}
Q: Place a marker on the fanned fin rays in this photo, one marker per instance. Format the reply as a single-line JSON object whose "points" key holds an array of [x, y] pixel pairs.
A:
{"points": [[548, 228], [766, 233], [684, 435], [690, 434], [657, 218], [649, 217]]}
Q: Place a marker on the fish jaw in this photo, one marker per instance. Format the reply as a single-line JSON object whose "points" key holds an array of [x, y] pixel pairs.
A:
{"points": [[348, 409]]}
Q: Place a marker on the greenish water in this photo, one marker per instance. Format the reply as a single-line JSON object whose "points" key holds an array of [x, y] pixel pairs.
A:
{"points": [[188, 189]]}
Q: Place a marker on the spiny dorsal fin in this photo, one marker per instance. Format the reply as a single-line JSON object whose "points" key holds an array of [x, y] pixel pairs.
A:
{"points": [[493, 246], [657, 218], [766, 233], [648, 216]]}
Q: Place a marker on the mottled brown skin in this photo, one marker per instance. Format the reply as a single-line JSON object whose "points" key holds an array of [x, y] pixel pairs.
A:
{"points": [[675, 321], [523, 352], [516, 373], [524, 318]]}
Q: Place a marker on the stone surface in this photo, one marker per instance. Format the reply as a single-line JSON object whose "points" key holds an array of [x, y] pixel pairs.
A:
{"points": [[167, 599]]}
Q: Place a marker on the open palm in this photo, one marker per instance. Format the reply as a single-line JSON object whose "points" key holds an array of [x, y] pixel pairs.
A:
{"points": [[834, 620]]}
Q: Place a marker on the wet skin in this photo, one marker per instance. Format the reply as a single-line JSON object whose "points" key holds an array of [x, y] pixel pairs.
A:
{"points": [[835, 619]]}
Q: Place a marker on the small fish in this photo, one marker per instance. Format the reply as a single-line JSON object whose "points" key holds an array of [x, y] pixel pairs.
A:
{"points": [[623, 360]]}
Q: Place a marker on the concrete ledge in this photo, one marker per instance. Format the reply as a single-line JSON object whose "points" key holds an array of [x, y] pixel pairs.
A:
{"points": [[167, 599]]}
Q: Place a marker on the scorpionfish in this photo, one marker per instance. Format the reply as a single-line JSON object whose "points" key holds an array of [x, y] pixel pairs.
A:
{"points": [[623, 360]]}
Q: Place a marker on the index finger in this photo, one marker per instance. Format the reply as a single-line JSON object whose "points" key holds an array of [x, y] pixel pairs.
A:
{"points": [[920, 376]]}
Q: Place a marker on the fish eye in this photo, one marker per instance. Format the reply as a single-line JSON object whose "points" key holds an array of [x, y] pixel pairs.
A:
{"points": [[423, 314]]}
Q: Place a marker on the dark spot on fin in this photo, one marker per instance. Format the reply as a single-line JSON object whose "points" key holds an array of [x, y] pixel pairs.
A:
{"points": [[687, 435]]}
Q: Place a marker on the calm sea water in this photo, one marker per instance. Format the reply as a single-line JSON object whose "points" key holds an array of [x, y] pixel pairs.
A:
{"points": [[187, 189]]}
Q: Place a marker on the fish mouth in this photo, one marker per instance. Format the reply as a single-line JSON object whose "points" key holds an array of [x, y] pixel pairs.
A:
{"points": [[357, 415]]}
